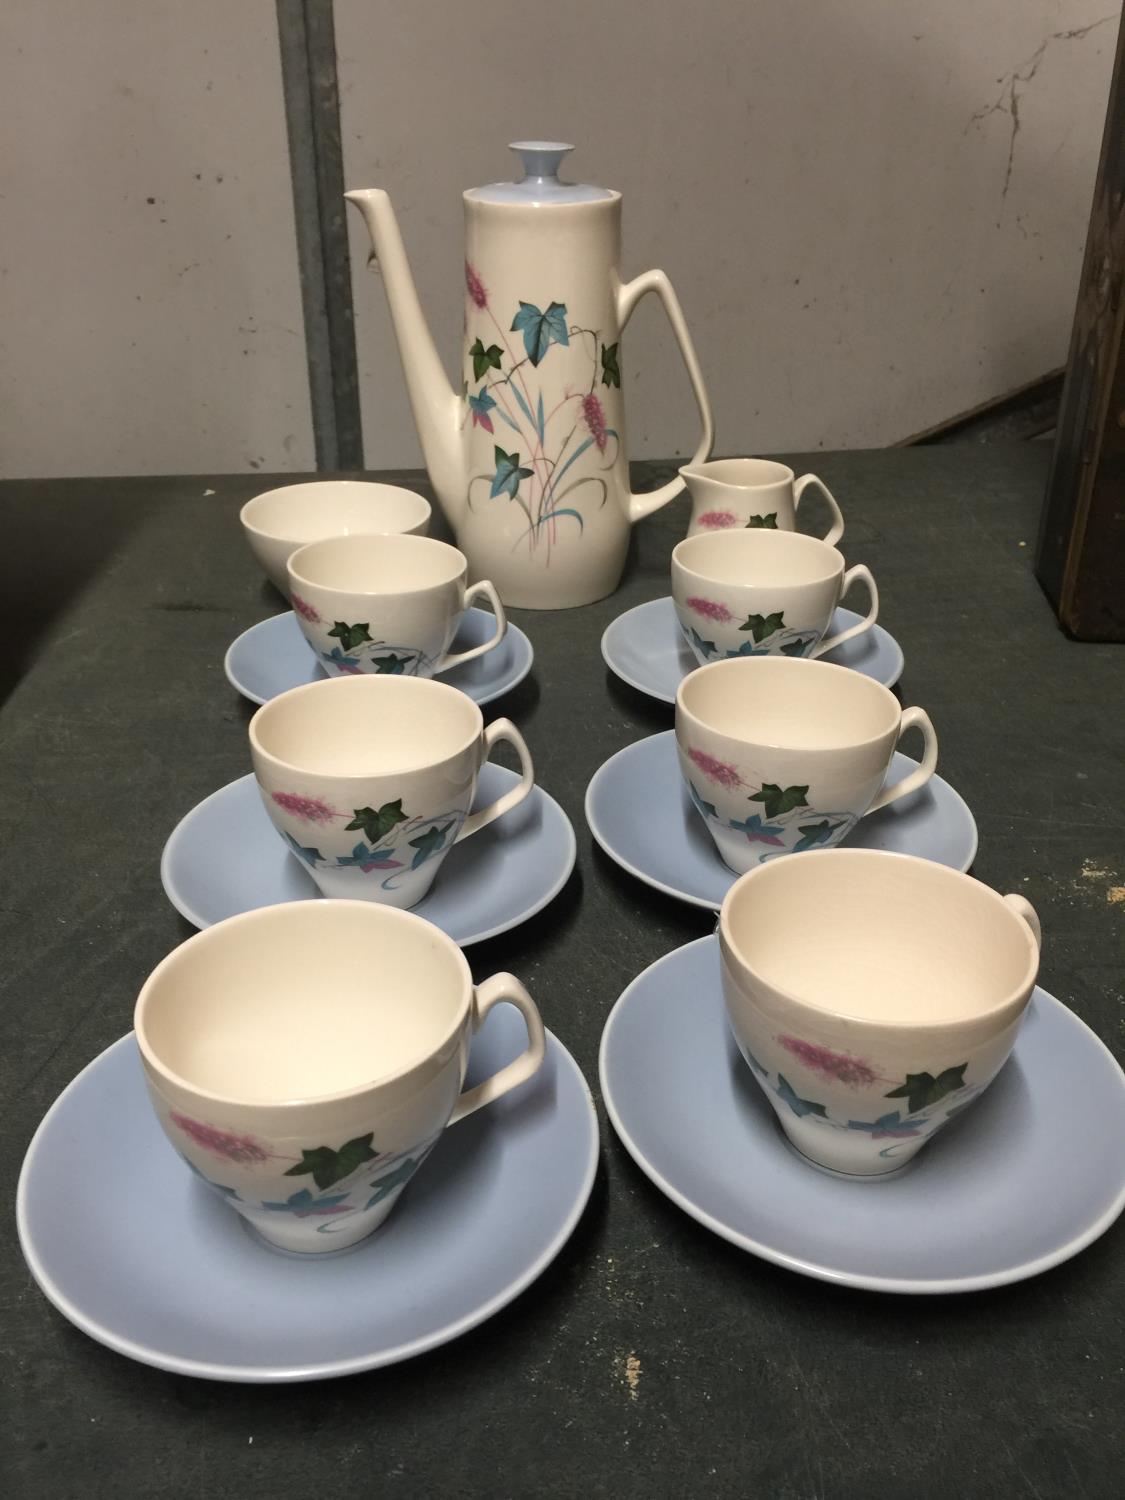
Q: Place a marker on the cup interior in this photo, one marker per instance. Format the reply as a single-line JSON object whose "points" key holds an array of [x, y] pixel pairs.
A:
{"points": [[377, 564], [880, 937], [287, 1004], [366, 726], [334, 507], [789, 704], [765, 559], [744, 473]]}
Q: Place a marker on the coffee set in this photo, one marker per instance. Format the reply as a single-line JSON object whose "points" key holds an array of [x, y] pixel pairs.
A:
{"points": [[323, 1149]]}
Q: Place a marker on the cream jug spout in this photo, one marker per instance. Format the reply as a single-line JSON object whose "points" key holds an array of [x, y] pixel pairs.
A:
{"points": [[437, 409]]}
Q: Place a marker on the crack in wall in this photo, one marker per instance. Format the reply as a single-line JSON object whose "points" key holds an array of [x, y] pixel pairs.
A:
{"points": [[1007, 102]]}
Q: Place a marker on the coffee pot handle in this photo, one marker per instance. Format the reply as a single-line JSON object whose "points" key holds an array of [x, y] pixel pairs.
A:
{"points": [[627, 298]]}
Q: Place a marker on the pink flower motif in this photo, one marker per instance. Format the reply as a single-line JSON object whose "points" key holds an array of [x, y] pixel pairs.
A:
{"points": [[475, 287], [594, 417], [717, 770], [717, 520], [243, 1149], [306, 610], [845, 1069], [308, 809], [710, 609]]}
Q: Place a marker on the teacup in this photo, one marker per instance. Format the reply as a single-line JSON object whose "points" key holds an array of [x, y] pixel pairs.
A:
{"points": [[277, 522], [782, 755], [386, 604], [369, 780], [763, 593], [304, 1059], [873, 996], [752, 492]]}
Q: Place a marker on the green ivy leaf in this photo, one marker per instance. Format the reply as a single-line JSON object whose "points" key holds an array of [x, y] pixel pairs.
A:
{"points": [[922, 1089], [350, 636], [485, 359], [778, 800], [611, 373], [763, 523], [393, 665], [815, 833], [376, 825], [428, 843], [764, 626], [327, 1166]]}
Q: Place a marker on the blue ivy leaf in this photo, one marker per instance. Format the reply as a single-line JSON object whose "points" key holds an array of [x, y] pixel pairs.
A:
{"points": [[428, 843], [310, 856], [482, 405], [367, 859], [706, 647], [305, 1206], [506, 480], [891, 1126], [749, 649], [345, 663], [760, 833], [815, 833], [541, 329], [706, 808], [390, 1181], [799, 1106]]}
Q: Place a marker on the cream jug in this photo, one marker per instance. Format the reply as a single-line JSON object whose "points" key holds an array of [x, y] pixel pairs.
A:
{"points": [[529, 459]]}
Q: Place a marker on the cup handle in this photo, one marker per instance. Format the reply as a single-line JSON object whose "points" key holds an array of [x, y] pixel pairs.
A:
{"points": [[836, 530], [457, 658], [494, 991], [501, 729], [911, 718], [863, 574], [1025, 909]]}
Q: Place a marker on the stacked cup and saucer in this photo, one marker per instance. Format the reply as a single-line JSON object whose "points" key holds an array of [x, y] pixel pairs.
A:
{"points": [[779, 1080], [219, 1192]]}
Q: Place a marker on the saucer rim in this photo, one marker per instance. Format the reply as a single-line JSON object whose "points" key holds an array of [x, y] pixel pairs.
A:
{"points": [[903, 1286], [489, 697], [181, 905], [667, 599], [699, 901], [206, 1370]]}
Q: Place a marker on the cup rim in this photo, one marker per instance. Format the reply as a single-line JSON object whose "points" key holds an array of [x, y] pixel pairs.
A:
{"points": [[865, 856], [706, 470], [263, 914], [795, 541], [784, 663], [351, 486], [368, 682], [394, 539]]}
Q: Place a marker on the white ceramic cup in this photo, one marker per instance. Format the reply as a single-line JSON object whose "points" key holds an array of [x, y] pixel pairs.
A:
{"points": [[386, 604], [782, 755], [369, 780], [277, 522], [305, 1058], [873, 996], [752, 492], [763, 593]]}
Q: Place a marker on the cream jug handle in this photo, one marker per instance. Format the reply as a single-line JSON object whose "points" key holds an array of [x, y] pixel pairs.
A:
{"points": [[627, 298]]}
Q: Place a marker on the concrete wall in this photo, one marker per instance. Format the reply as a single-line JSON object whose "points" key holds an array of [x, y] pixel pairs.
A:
{"points": [[150, 313], [873, 210]]}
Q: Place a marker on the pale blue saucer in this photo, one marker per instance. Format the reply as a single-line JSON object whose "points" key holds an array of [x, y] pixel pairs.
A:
{"points": [[645, 647], [226, 857], [638, 809], [144, 1258], [273, 656], [1026, 1178]]}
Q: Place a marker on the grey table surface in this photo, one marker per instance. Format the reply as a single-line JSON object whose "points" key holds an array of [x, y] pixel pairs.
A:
{"points": [[119, 600]]}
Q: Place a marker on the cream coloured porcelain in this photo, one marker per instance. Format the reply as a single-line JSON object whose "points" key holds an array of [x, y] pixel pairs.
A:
{"points": [[304, 1059], [279, 521], [873, 996], [529, 459], [782, 755], [386, 604], [763, 593], [758, 493], [369, 780]]}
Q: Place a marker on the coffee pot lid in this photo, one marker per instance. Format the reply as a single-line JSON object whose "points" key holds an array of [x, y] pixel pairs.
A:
{"points": [[540, 183]]}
